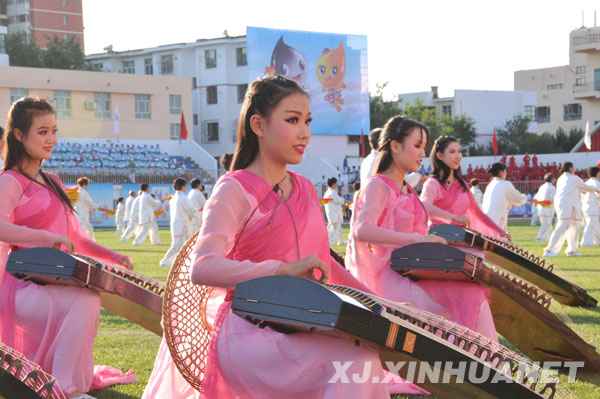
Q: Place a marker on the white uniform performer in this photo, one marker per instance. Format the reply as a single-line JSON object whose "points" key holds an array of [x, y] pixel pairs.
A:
{"points": [[153, 232], [546, 192], [120, 218], [197, 200], [83, 206], [128, 204], [500, 195], [478, 194], [181, 211], [133, 226], [147, 205], [335, 217], [591, 208], [567, 203]]}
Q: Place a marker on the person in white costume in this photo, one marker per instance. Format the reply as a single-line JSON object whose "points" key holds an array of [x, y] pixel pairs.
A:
{"points": [[500, 195], [196, 197], [120, 216], [147, 205], [84, 206], [334, 212], [567, 203], [153, 232], [477, 193], [591, 208], [366, 166], [546, 192], [133, 225], [128, 203], [181, 212]]}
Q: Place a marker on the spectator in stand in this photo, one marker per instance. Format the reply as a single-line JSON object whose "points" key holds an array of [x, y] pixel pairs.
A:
{"points": [[477, 193], [226, 161], [340, 180], [511, 161], [345, 163], [500, 195], [84, 206], [366, 167], [503, 159], [120, 217], [546, 192], [334, 212], [591, 208], [469, 171], [567, 203], [534, 161], [526, 160]]}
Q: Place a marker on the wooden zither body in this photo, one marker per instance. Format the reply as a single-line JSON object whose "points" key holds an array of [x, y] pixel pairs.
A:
{"points": [[523, 313], [518, 261], [22, 379], [131, 295], [400, 333]]}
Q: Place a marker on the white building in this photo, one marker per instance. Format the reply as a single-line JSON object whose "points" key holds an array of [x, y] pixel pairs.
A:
{"points": [[568, 96], [489, 109]]}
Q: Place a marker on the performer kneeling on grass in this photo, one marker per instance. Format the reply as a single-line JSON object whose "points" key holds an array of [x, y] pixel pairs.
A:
{"points": [[181, 213], [546, 192], [52, 325], [334, 212], [265, 220], [567, 203], [500, 195]]}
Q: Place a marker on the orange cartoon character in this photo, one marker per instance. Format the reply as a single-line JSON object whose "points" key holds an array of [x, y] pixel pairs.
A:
{"points": [[331, 68]]}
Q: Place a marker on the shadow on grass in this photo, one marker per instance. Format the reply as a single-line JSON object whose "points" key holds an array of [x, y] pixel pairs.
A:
{"points": [[110, 393], [593, 318]]}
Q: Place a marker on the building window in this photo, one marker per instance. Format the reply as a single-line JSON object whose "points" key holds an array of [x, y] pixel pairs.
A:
{"points": [[572, 112], [447, 110], [128, 67], [210, 58], [102, 105], [557, 86], [580, 82], [194, 82], [65, 20], [211, 95], [16, 94], [542, 114], [148, 70], [212, 131], [166, 64], [174, 104], [65, 38], [175, 131], [2, 44], [195, 119], [529, 112], [142, 106], [98, 66], [241, 92], [241, 57], [580, 70], [64, 2], [62, 103]]}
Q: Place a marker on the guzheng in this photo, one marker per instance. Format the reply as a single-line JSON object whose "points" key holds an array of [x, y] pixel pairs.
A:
{"points": [[401, 333], [518, 261], [131, 295], [22, 379], [523, 313]]}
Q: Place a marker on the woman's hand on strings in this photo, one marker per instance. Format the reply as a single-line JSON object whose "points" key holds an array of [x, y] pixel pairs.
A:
{"points": [[465, 221], [434, 238], [125, 262], [66, 241], [306, 268]]}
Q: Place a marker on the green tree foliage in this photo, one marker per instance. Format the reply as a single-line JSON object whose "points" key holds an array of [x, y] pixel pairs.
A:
{"points": [[512, 138], [380, 109], [60, 54], [22, 52]]}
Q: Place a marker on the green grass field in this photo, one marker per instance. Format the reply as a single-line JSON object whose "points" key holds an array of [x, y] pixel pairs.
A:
{"points": [[125, 345]]}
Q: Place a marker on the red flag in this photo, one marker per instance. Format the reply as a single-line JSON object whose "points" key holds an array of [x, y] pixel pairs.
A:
{"points": [[183, 131], [495, 143], [362, 143]]}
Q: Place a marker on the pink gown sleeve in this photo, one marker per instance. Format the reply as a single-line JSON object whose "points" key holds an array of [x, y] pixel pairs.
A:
{"points": [[224, 215], [367, 229], [478, 217], [431, 192]]}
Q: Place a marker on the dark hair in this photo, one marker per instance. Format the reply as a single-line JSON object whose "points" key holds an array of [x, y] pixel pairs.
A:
{"points": [[1, 132], [356, 186], [20, 117], [395, 129], [82, 181], [331, 181], [374, 137], [144, 186], [441, 171], [593, 171], [474, 182], [132, 192], [566, 166], [195, 183], [496, 168], [262, 97], [549, 177], [120, 200], [179, 183], [225, 160]]}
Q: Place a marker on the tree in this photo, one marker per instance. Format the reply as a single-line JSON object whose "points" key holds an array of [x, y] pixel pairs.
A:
{"points": [[22, 52], [60, 54], [512, 138], [427, 116], [462, 127], [380, 109]]}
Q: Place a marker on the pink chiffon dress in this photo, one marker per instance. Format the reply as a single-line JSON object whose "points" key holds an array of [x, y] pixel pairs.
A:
{"points": [[443, 203], [245, 361], [53, 326], [386, 218]]}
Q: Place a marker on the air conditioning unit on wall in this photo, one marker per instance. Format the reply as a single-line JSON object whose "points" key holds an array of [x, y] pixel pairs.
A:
{"points": [[91, 105]]}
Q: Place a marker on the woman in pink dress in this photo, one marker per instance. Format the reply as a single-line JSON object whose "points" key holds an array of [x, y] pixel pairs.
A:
{"points": [[53, 326], [389, 215], [264, 220], [446, 194]]}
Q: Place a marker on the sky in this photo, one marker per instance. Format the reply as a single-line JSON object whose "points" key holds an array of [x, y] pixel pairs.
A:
{"points": [[412, 45]]}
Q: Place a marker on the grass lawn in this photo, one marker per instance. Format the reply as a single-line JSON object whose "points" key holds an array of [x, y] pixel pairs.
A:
{"points": [[125, 345]]}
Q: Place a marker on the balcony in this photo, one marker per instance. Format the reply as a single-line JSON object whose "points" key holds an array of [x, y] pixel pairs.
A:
{"points": [[588, 91], [587, 44]]}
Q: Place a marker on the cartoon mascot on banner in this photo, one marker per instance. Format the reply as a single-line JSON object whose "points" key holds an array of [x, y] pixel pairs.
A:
{"points": [[331, 68]]}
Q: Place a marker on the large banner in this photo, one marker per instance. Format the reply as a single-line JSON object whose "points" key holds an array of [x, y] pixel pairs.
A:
{"points": [[331, 67]]}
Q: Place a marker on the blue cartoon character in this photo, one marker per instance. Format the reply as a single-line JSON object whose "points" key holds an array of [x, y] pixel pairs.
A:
{"points": [[289, 62], [331, 68]]}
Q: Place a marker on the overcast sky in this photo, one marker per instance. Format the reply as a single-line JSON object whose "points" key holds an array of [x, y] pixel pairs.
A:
{"points": [[412, 45]]}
